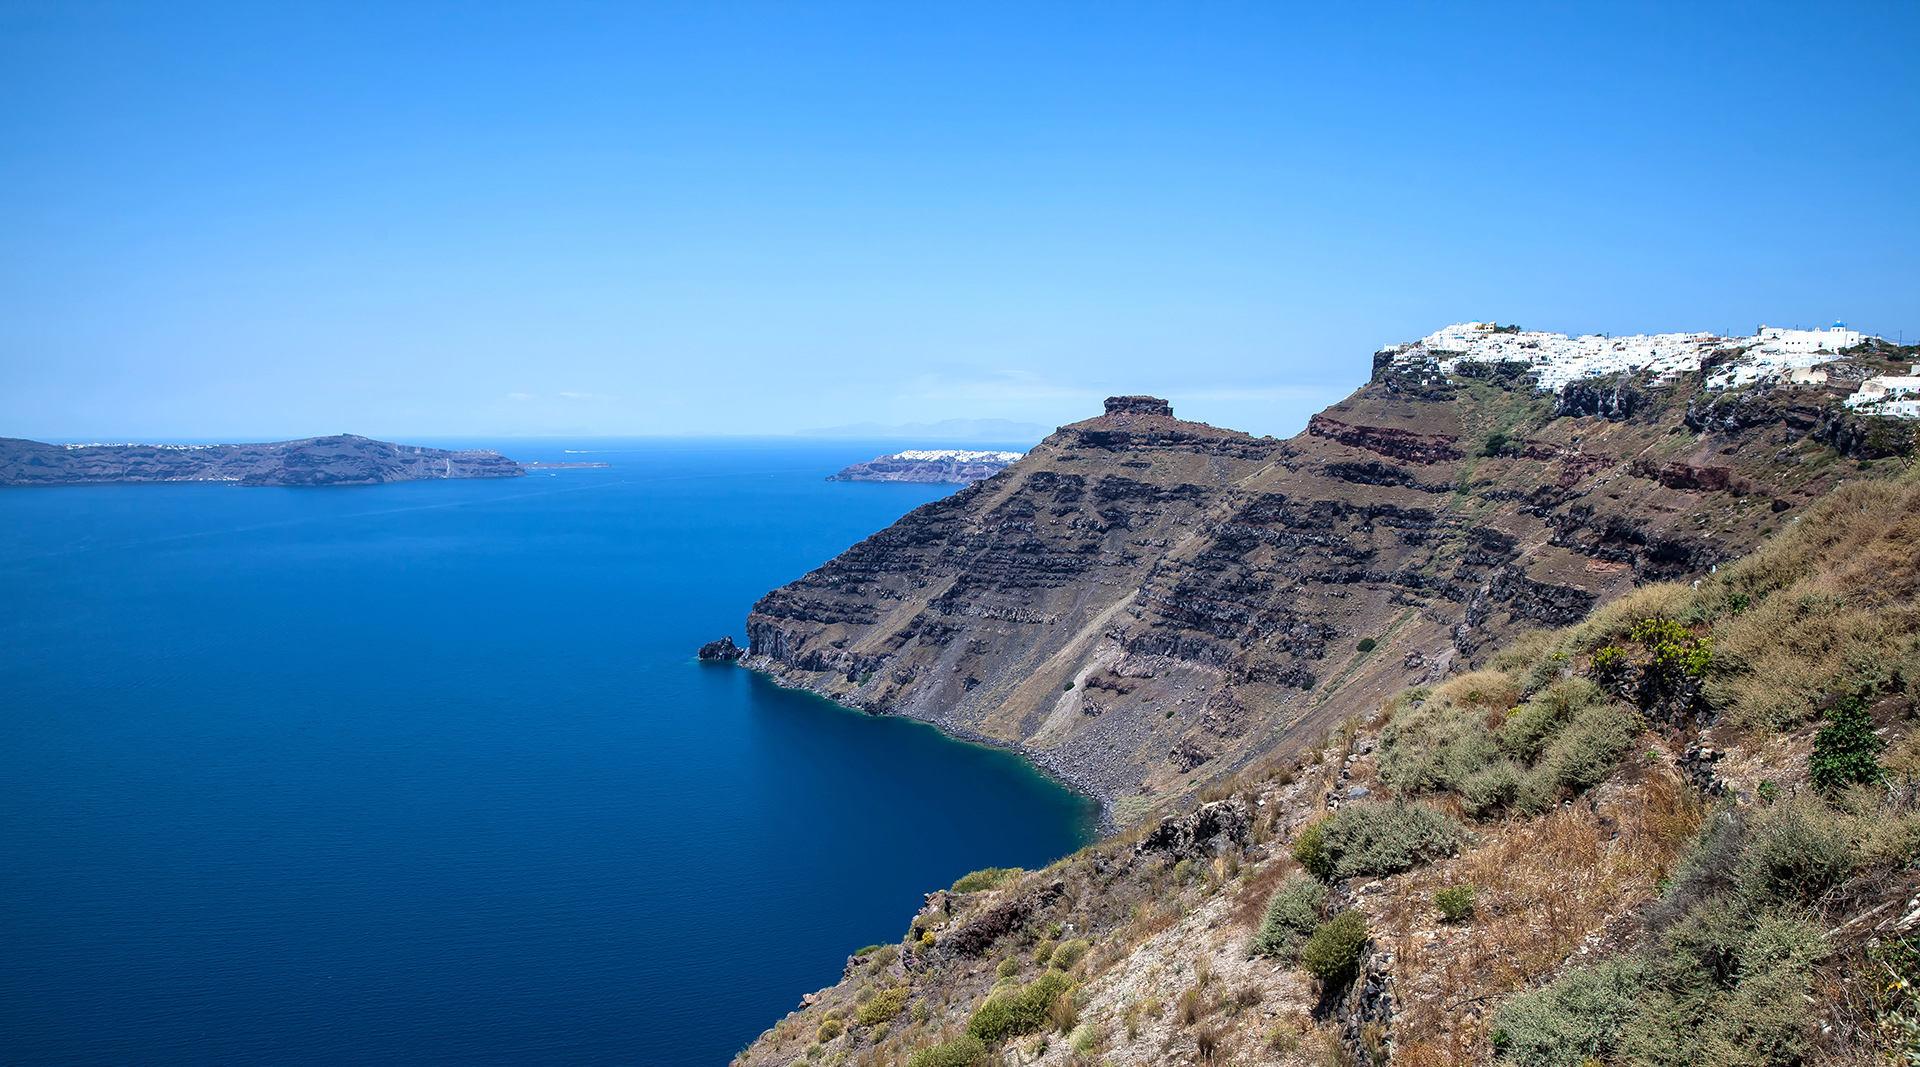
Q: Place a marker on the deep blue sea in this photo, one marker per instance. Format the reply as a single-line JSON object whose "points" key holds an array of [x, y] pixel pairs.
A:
{"points": [[427, 773]]}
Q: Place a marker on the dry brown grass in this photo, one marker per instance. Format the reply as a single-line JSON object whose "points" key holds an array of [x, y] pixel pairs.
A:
{"points": [[1548, 886], [1832, 605]]}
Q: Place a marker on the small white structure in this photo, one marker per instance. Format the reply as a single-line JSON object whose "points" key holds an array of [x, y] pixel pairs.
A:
{"points": [[1779, 339]]}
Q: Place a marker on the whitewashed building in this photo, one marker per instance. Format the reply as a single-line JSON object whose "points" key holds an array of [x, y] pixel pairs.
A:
{"points": [[1780, 339]]}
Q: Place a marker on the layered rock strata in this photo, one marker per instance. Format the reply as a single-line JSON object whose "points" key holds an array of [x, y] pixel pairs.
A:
{"points": [[1145, 604]]}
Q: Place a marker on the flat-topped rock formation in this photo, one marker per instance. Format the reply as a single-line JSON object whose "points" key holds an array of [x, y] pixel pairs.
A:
{"points": [[344, 459], [928, 465]]}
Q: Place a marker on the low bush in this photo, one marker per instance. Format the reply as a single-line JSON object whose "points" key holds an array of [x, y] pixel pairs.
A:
{"points": [[1794, 852], [988, 878], [1292, 913], [1070, 953], [1384, 838], [1018, 1011], [830, 1029], [1456, 901], [1008, 968], [1579, 1017], [1845, 750], [1043, 952], [882, 1007], [964, 1051], [1309, 849], [1333, 952], [1367, 644]]}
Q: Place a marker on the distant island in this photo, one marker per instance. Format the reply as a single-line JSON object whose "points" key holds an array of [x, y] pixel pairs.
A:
{"points": [[343, 459], [929, 465]]}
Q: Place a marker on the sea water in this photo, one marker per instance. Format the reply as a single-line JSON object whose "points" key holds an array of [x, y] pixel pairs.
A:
{"points": [[427, 773]]}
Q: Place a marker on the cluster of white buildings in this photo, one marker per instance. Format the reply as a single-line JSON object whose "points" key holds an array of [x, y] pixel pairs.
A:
{"points": [[1773, 352], [938, 455]]}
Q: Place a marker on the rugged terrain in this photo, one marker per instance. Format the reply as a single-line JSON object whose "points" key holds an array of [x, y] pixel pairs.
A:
{"points": [[1683, 831], [1146, 605], [343, 459]]}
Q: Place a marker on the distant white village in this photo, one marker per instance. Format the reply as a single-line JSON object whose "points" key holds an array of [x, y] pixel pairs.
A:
{"points": [[937, 455], [1788, 356]]}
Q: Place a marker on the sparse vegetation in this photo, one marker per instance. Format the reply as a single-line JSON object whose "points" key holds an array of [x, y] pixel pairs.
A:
{"points": [[1456, 902], [1292, 915], [1018, 1011], [987, 878], [884, 1006], [1334, 949]]}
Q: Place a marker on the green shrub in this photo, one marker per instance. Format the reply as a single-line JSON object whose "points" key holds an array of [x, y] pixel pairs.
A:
{"points": [[987, 878], [1309, 848], [1292, 913], [1018, 1011], [1794, 852], [1845, 750], [1333, 951], [865, 952], [882, 1007], [1008, 968], [1577, 1018], [1068, 687], [1384, 838], [964, 1051], [1070, 953], [1367, 644], [830, 1029], [1529, 726], [1043, 952], [1582, 753], [1456, 901]]}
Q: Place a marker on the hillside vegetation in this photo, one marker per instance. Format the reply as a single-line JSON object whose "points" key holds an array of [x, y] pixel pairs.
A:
{"points": [[1683, 830]]}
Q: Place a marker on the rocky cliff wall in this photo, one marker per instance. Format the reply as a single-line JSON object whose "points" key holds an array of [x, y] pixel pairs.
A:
{"points": [[1145, 604]]}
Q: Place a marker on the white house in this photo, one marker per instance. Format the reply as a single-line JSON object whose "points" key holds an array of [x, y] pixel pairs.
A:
{"points": [[1779, 339]]}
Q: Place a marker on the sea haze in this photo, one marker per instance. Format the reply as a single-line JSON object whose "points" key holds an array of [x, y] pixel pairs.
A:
{"points": [[426, 773]]}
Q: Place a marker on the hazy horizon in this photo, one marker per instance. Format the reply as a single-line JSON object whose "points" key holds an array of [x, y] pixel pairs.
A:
{"points": [[222, 221]]}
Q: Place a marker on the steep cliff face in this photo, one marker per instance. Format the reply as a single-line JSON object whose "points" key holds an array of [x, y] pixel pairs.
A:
{"points": [[1144, 604]]}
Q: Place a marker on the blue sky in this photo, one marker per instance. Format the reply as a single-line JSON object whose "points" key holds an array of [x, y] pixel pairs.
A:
{"points": [[276, 220]]}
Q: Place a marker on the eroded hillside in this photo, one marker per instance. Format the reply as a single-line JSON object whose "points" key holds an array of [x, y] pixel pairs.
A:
{"points": [[1146, 605], [1682, 831]]}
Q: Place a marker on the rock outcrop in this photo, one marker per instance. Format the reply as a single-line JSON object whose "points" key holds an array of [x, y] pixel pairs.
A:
{"points": [[721, 651], [343, 459]]}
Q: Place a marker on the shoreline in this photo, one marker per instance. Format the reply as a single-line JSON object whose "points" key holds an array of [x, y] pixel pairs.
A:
{"points": [[1104, 826]]}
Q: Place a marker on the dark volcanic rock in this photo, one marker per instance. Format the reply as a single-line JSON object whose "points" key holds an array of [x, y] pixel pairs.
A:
{"points": [[979, 934], [1611, 399], [721, 650], [1200, 831], [1138, 405], [319, 461]]}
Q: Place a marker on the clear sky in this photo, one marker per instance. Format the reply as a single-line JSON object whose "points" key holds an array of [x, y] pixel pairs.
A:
{"points": [[266, 220]]}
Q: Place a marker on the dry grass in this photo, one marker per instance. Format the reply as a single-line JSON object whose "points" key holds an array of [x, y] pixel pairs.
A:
{"points": [[1250, 904], [1549, 886], [1830, 605]]}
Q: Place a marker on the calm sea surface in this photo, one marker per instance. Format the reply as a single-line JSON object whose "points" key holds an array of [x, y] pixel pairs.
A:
{"points": [[427, 773]]}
